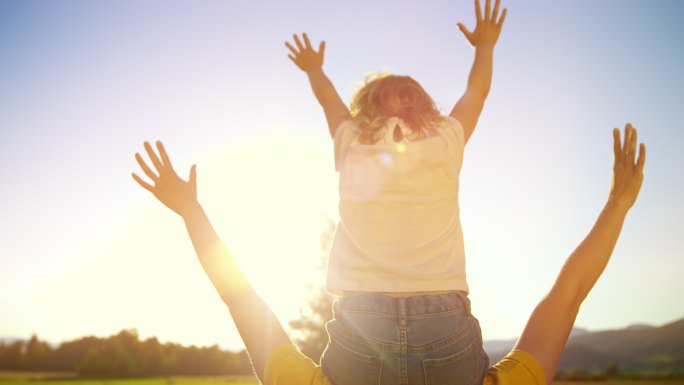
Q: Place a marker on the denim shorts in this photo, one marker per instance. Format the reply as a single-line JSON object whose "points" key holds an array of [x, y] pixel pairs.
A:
{"points": [[420, 340]]}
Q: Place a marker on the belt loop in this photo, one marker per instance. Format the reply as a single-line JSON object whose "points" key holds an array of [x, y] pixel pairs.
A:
{"points": [[465, 300], [401, 302]]}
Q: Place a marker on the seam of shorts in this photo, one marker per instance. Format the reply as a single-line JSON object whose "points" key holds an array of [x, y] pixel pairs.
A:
{"points": [[443, 343], [337, 327]]}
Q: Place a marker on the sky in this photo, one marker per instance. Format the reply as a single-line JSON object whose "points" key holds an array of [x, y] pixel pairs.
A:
{"points": [[85, 251]]}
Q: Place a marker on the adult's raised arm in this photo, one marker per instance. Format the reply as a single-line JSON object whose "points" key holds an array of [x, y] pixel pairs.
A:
{"points": [[549, 326], [258, 326]]}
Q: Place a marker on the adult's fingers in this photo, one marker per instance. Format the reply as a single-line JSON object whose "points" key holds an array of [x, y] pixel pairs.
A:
{"points": [[153, 157], [145, 168], [617, 147], [631, 151], [307, 43], [164, 156], [642, 158], [298, 42], [292, 49], [625, 138], [142, 183], [193, 174]]}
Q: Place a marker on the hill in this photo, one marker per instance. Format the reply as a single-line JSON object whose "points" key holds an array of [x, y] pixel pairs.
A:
{"points": [[635, 348]]}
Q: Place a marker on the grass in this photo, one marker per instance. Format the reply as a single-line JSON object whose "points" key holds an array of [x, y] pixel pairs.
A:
{"points": [[27, 378], [623, 382], [227, 381], [251, 381], [146, 381]]}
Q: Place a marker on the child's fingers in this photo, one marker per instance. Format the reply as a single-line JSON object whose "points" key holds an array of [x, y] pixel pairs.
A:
{"points": [[495, 13], [291, 48], [503, 17], [478, 10], [468, 35]]}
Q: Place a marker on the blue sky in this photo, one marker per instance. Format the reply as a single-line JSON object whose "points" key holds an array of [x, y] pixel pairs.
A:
{"points": [[83, 250]]}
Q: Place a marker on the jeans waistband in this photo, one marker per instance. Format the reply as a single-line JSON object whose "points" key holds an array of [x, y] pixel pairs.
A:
{"points": [[418, 305]]}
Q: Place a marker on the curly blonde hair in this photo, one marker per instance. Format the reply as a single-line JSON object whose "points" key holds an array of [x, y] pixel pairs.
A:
{"points": [[384, 96]]}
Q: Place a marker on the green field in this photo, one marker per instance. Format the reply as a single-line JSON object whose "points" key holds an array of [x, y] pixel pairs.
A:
{"points": [[623, 382], [147, 381], [71, 378], [227, 381], [62, 378]]}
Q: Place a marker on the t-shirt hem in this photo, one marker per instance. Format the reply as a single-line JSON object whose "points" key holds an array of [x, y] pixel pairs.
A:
{"points": [[339, 289]]}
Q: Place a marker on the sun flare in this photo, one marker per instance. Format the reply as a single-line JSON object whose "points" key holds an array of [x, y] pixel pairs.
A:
{"points": [[270, 201]]}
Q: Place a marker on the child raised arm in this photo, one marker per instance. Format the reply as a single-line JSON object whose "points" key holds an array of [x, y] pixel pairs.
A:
{"points": [[311, 62], [487, 29]]}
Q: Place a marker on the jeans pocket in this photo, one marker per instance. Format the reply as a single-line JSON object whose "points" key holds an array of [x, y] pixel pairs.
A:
{"points": [[343, 366], [460, 368]]}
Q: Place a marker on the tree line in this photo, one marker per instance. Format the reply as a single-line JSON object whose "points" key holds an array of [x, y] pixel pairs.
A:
{"points": [[122, 355]]}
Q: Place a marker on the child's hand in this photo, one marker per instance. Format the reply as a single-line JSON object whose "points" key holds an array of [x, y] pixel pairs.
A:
{"points": [[304, 56], [487, 29], [175, 193], [628, 170]]}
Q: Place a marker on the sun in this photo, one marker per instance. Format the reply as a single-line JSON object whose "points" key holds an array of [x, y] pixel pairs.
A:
{"points": [[270, 200]]}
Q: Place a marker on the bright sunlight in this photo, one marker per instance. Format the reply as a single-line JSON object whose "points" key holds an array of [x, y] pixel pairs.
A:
{"points": [[270, 200]]}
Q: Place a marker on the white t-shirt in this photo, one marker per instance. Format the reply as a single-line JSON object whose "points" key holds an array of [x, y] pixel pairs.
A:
{"points": [[399, 228]]}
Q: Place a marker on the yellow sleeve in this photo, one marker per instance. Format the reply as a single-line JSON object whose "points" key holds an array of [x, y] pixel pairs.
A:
{"points": [[288, 366], [517, 368]]}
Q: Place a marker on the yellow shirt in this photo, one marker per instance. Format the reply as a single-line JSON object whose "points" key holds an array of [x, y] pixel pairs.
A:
{"points": [[288, 366]]}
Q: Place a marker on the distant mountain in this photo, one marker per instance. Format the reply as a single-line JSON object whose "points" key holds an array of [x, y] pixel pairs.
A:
{"points": [[499, 348], [640, 327], [494, 347], [634, 348]]}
